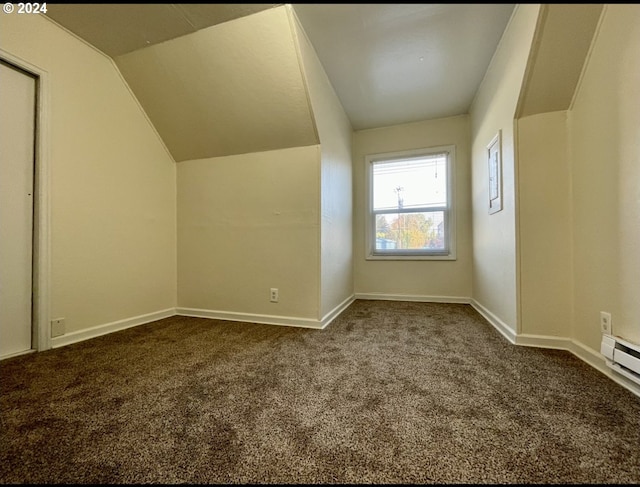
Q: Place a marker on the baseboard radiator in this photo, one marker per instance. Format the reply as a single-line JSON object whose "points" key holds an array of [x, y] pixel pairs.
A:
{"points": [[622, 356]]}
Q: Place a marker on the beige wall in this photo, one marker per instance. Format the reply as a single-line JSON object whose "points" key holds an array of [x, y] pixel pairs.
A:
{"points": [[494, 235], [605, 147], [544, 194], [281, 218], [415, 278], [563, 248], [335, 132], [248, 223], [112, 184]]}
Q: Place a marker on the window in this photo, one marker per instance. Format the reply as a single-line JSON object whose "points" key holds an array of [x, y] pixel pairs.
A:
{"points": [[411, 205]]}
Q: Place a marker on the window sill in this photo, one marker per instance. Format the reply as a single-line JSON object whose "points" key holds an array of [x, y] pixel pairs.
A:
{"points": [[410, 257]]}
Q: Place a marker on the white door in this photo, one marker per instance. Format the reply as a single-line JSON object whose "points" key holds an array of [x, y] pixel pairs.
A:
{"points": [[17, 164]]}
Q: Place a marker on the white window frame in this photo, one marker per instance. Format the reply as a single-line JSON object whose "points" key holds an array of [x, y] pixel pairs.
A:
{"points": [[449, 209]]}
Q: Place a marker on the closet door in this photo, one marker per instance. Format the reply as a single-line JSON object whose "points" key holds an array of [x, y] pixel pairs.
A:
{"points": [[17, 164]]}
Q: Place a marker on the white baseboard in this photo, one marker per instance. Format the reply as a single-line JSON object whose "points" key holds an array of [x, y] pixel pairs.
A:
{"points": [[543, 341], [504, 329], [413, 297], [580, 350], [17, 354], [250, 317], [596, 360], [584, 353], [577, 348], [268, 319], [114, 326], [335, 312]]}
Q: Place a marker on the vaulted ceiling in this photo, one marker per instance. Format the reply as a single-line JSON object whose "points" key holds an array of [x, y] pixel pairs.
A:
{"points": [[221, 79], [117, 29], [233, 88]]}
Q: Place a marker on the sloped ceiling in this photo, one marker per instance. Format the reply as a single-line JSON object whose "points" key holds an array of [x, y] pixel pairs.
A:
{"points": [[117, 29], [223, 79], [215, 80], [232, 88], [562, 41]]}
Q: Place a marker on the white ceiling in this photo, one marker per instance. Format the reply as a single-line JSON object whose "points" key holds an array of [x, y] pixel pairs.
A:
{"points": [[389, 63], [396, 63]]}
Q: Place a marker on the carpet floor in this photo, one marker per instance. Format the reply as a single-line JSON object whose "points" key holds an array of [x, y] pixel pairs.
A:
{"points": [[391, 392]]}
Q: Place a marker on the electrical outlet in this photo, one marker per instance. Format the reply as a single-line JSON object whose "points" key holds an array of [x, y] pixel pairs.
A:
{"points": [[274, 295], [57, 327], [605, 322]]}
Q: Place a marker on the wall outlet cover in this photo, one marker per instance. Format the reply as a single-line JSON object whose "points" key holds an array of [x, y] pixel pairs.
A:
{"points": [[57, 327], [605, 322]]}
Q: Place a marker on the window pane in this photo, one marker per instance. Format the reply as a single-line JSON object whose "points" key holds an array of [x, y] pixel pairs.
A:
{"points": [[410, 183], [411, 231]]}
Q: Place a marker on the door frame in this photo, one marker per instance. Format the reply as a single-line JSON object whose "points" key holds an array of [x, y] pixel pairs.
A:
{"points": [[41, 277]]}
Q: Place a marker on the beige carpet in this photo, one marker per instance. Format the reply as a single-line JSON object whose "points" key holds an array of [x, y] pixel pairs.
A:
{"points": [[390, 392]]}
